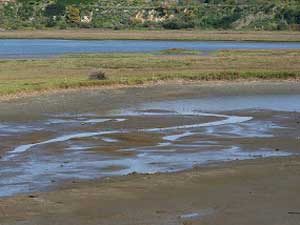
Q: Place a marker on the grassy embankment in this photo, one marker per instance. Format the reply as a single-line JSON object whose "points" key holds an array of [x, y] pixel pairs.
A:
{"points": [[72, 71], [191, 35]]}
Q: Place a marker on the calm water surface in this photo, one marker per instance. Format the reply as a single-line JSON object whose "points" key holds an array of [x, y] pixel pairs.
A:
{"points": [[35, 48]]}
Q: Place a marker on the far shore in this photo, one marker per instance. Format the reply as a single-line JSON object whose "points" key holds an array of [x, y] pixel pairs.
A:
{"points": [[178, 35]]}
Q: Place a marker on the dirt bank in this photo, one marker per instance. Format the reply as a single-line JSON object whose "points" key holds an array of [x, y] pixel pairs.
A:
{"points": [[193, 35]]}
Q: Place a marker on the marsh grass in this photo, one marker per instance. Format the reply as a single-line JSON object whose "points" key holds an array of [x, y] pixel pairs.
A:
{"points": [[179, 51], [71, 71]]}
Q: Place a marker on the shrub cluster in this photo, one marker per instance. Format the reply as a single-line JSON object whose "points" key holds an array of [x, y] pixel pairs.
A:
{"points": [[168, 14], [97, 74]]}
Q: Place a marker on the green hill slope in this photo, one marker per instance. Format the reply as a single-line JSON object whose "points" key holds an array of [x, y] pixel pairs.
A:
{"points": [[147, 14]]}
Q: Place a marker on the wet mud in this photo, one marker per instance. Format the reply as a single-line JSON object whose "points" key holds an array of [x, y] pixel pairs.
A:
{"points": [[174, 129]]}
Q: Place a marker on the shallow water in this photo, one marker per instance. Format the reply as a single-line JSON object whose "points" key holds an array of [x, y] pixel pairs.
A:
{"points": [[14, 48], [164, 136], [283, 102], [199, 214]]}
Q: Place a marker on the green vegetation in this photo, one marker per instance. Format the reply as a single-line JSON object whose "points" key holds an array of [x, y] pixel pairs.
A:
{"points": [[179, 51], [152, 14], [90, 70]]}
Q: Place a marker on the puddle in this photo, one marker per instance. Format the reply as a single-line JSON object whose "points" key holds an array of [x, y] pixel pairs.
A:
{"points": [[197, 215], [110, 140], [63, 138], [177, 136], [189, 216], [17, 128], [83, 121]]}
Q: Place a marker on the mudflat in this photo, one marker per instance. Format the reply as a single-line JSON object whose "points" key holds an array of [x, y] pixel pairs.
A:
{"points": [[232, 148], [262, 191]]}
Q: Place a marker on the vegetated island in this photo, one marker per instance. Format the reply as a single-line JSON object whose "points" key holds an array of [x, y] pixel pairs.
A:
{"points": [[127, 69]]}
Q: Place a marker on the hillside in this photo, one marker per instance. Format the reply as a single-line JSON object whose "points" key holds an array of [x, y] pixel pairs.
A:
{"points": [[151, 14]]}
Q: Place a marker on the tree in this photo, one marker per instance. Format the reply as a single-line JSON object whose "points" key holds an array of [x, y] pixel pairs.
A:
{"points": [[54, 10]]}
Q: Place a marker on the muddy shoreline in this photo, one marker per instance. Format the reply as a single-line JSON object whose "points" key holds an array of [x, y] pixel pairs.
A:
{"points": [[282, 84], [258, 191], [262, 191], [82, 100]]}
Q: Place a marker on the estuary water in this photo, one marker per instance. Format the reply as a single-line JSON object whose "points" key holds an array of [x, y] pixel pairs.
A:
{"points": [[45, 48]]}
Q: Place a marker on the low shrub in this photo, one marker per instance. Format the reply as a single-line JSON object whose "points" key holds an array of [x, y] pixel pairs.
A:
{"points": [[97, 75]]}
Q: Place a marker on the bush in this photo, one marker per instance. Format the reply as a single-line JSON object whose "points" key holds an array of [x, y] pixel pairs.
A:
{"points": [[61, 24], [73, 15], [54, 10], [178, 23], [97, 75]]}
